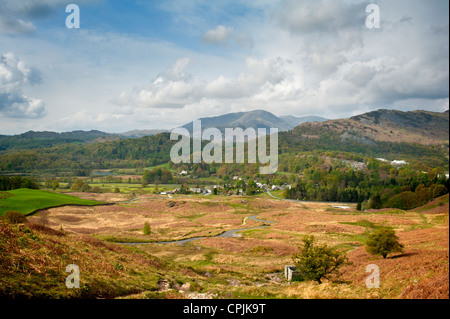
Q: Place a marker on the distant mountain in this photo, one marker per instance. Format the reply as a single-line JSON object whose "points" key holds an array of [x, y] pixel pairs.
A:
{"points": [[411, 136], [32, 139], [294, 120], [141, 133], [253, 119], [422, 127]]}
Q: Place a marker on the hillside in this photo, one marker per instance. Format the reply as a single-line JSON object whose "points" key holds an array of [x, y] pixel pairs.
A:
{"points": [[32, 139], [33, 259], [141, 133], [423, 127], [411, 136]]}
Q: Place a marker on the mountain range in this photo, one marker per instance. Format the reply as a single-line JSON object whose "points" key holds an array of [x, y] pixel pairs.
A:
{"points": [[413, 127], [253, 119], [416, 136]]}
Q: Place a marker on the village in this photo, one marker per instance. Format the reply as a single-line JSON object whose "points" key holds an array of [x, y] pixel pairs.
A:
{"points": [[241, 187]]}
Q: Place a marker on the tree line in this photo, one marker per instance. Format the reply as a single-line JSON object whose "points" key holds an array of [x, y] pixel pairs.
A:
{"points": [[15, 182]]}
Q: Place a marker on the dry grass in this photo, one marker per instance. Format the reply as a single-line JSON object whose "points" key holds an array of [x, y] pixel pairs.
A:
{"points": [[258, 256]]}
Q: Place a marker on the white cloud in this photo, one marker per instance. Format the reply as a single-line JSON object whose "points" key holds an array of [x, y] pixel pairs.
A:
{"points": [[219, 35], [227, 36], [14, 74], [174, 88]]}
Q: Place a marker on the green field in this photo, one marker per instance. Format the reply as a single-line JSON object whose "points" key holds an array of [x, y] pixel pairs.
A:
{"points": [[27, 201]]}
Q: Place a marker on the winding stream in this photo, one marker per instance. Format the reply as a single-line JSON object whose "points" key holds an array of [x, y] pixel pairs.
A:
{"points": [[228, 233]]}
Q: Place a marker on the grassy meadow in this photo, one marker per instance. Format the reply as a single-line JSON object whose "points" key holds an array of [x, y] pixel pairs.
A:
{"points": [[27, 201]]}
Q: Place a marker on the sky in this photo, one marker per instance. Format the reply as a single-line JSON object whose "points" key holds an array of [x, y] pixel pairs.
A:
{"points": [[160, 64]]}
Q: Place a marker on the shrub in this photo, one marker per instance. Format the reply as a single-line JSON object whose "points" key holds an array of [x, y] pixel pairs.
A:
{"points": [[315, 262], [146, 228], [383, 242], [96, 189], [14, 217]]}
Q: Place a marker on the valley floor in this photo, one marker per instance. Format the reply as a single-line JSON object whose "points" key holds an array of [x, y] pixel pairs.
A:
{"points": [[250, 265]]}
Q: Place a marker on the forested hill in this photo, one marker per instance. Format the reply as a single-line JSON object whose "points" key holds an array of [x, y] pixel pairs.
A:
{"points": [[32, 139], [138, 152], [364, 135]]}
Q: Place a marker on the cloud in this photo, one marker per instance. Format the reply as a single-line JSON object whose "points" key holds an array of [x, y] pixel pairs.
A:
{"points": [[16, 17], [14, 74], [260, 75], [321, 16], [360, 74], [174, 88], [219, 35], [310, 57], [227, 36], [177, 71]]}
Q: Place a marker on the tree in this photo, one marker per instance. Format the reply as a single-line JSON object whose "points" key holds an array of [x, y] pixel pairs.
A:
{"points": [[358, 206], [55, 184], [375, 202], [48, 183], [383, 242], [77, 185], [146, 228], [439, 190], [315, 262]]}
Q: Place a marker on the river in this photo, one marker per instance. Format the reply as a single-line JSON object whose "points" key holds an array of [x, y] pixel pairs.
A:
{"points": [[228, 233]]}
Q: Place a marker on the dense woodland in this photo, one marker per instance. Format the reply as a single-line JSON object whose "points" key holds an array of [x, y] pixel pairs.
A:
{"points": [[155, 150]]}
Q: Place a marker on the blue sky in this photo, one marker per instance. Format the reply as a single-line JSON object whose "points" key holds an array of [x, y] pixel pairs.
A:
{"points": [[159, 64]]}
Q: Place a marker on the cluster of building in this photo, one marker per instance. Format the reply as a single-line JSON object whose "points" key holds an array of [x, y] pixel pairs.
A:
{"points": [[208, 190]]}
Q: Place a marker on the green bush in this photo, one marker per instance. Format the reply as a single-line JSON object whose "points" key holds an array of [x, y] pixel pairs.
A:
{"points": [[146, 229], [315, 262], [383, 242]]}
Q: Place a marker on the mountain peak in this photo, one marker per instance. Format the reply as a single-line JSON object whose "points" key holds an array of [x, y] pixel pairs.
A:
{"points": [[253, 119]]}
